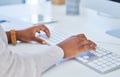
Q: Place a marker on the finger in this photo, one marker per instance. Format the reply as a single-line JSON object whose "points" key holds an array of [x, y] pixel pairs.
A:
{"points": [[85, 48], [92, 44], [88, 42], [39, 40], [82, 36], [84, 42], [91, 47], [47, 32], [45, 29]]}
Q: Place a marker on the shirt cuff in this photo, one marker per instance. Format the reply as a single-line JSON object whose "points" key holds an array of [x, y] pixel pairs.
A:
{"points": [[59, 51]]}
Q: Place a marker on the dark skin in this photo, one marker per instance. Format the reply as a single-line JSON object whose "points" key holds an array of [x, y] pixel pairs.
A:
{"points": [[28, 34], [72, 47]]}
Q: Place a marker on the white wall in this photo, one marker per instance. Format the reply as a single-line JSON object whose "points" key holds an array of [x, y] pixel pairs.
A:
{"points": [[105, 6], [6, 2]]}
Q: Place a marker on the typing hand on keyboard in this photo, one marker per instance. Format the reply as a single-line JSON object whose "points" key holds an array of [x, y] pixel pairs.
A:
{"points": [[72, 46], [102, 60]]}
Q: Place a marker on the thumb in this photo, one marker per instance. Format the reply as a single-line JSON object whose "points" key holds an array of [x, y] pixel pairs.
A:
{"points": [[39, 40]]}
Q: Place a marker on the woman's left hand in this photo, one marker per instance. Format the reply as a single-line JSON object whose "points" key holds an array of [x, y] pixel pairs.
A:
{"points": [[28, 34]]}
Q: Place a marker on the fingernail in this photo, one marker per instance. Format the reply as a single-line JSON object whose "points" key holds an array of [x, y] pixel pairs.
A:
{"points": [[43, 42]]}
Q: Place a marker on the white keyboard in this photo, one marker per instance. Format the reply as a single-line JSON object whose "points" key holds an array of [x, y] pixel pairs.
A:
{"points": [[55, 38], [102, 60]]}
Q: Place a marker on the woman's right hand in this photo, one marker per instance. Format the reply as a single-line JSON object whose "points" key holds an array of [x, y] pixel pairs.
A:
{"points": [[76, 45]]}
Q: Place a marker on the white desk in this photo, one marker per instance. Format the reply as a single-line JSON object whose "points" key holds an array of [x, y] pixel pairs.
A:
{"points": [[87, 22]]}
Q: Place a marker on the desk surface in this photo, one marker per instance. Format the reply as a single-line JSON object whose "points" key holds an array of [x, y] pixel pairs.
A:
{"points": [[88, 22]]}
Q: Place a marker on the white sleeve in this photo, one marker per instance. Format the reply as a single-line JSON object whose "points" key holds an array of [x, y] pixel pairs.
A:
{"points": [[6, 58], [47, 59], [28, 65]]}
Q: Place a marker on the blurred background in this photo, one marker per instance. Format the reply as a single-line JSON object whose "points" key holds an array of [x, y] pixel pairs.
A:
{"points": [[9, 2]]}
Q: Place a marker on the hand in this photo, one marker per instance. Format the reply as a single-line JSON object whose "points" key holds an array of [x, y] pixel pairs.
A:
{"points": [[76, 45], [29, 34]]}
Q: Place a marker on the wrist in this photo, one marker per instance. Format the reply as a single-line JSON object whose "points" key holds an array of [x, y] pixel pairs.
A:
{"points": [[60, 46], [18, 35], [12, 37]]}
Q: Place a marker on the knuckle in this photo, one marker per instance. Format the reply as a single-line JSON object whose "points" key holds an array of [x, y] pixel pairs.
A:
{"points": [[86, 47], [43, 25]]}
